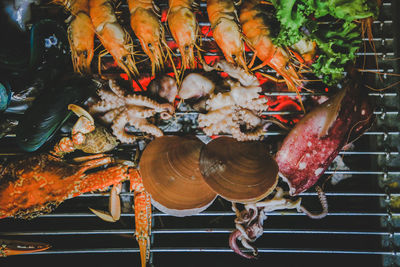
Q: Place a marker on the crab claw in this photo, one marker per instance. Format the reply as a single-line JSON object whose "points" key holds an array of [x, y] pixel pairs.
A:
{"points": [[85, 123], [80, 112], [15, 247], [114, 206], [234, 246]]}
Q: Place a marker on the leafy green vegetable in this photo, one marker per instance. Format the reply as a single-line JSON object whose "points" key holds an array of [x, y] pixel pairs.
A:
{"points": [[337, 42], [344, 9], [338, 48]]}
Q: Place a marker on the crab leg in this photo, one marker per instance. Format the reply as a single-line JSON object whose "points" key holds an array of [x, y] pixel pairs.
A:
{"points": [[114, 206], [15, 247], [142, 206], [101, 179], [142, 215]]}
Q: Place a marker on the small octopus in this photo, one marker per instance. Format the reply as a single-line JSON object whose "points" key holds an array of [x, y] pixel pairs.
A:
{"points": [[120, 109], [236, 112]]}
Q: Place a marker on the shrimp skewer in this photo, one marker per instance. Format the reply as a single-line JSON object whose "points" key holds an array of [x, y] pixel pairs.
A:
{"points": [[184, 28], [146, 24], [254, 18], [80, 34], [226, 30], [115, 39]]}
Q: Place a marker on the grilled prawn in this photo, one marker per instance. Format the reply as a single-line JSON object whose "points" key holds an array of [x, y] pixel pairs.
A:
{"points": [[226, 30], [254, 19], [80, 34], [184, 28], [146, 24], [115, 39]]}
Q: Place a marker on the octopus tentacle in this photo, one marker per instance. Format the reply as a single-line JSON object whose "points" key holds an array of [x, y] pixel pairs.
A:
{"points": [[247, 136], [139, 112], [110, 115], [118, 128], [213, 116], [166, 107], [219, 100], [140, 100], [236, 72], [224, 125], [143, 125], [102, 106], [165, 115], [110, 97], [259, 104], [116, 89], [241, 94], [248, 116]]}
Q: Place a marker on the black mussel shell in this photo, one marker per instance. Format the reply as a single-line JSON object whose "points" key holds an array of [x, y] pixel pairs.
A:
{"points": [[45, 49], [5, 94], [50, 110]]}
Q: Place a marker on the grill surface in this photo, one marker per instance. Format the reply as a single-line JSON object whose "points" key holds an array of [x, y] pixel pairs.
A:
{"points": [[361, 224]]}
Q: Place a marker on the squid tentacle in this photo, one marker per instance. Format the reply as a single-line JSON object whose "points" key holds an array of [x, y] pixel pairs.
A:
{"points": [[233, 244], [324, 204]]}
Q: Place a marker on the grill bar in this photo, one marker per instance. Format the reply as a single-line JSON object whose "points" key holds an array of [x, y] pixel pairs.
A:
{"points": [[387, 153], [250, 54], [214, 250], [381, 112], [333, 194], [223, 213], [195, 231], [268, 133]]}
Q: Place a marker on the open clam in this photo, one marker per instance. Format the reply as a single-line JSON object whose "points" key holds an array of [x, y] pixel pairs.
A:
{"points": [[171, 174], [241, 172]]}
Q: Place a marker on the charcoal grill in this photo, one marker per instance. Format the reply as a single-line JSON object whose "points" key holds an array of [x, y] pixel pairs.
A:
{"points": [[361, 225]]}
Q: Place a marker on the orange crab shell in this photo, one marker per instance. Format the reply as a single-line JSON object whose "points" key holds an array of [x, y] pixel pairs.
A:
{"points": [[34, 185]]}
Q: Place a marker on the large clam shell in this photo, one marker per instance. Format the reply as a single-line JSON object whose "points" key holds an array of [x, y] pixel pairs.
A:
{"points": [[170, 170], [241, 172]]}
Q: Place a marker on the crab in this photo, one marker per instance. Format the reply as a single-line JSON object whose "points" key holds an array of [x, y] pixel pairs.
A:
{"points": [[85, 135], [34, 185]]}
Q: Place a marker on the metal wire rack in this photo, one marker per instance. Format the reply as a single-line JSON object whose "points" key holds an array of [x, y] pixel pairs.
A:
{"points": [[361, 224]]}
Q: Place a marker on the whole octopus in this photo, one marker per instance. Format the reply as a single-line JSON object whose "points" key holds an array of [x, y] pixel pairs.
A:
{"points": [[236, 112], [119, 109]]}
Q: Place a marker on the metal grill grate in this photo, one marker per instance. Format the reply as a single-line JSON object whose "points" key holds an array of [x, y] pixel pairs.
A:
{"points": [[361, 224]]}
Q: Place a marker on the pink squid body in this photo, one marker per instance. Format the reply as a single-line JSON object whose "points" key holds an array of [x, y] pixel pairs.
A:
{"points": [[315, 141]]}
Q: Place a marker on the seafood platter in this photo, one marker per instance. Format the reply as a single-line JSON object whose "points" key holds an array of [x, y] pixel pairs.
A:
{"points": [[239, 130]]}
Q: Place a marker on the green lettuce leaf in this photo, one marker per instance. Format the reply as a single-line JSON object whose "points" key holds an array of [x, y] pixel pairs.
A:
{"points": [[337, 42]]}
